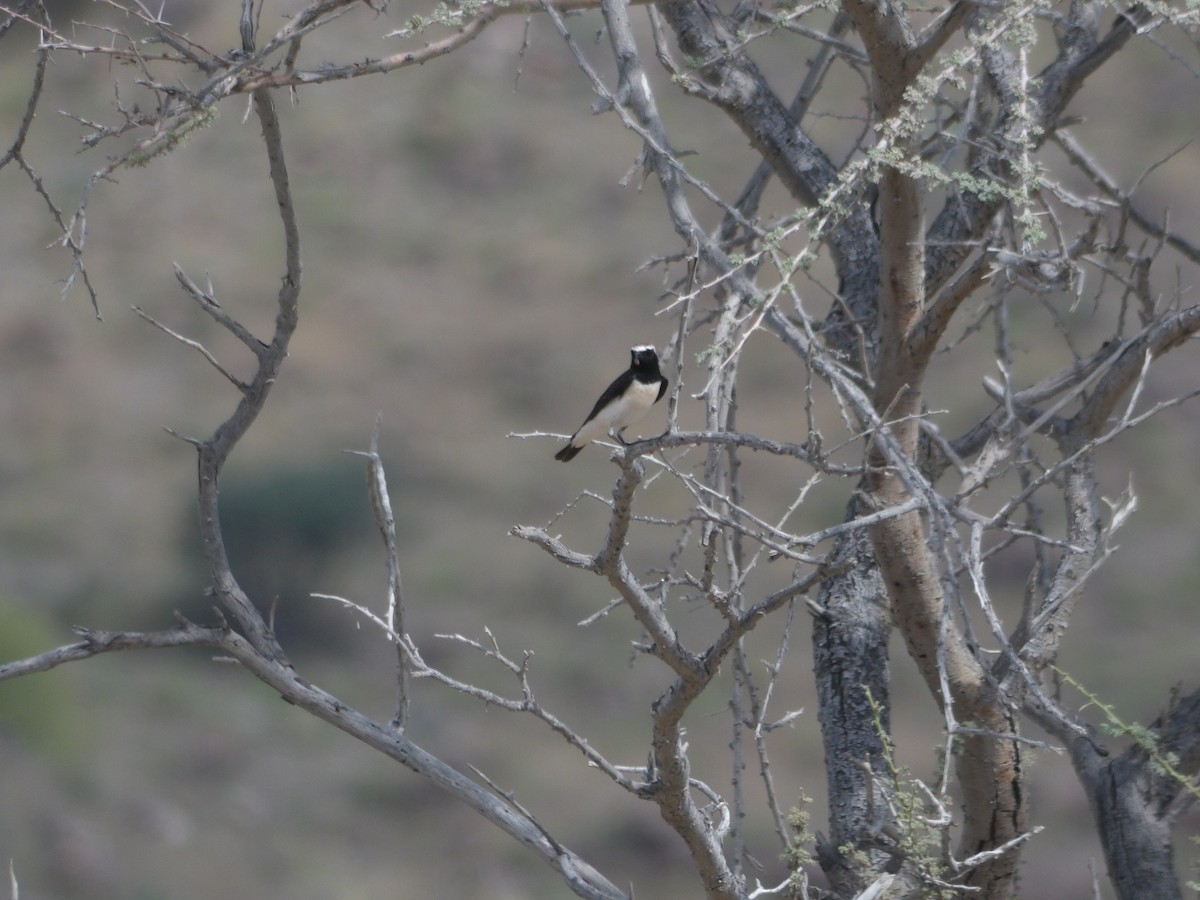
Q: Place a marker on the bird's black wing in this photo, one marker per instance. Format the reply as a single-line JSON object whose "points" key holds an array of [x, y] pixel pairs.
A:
{"points": [[619, 386], [662, 389]]}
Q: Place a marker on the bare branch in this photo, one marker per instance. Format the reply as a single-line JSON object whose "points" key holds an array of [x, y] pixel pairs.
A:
{"points": [[195, 345], [1083, 160], [94, 643], [582, 878], [208, 302], [381, 509]]}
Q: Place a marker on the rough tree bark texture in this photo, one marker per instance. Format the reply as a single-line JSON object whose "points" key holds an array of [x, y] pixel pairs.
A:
{"points": [[850, 657]]}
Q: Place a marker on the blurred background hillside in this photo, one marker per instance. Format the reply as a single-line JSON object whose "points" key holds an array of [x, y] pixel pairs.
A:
{"points": [[471, 269]]}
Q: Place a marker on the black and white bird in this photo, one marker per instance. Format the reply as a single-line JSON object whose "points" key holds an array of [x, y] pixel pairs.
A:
{"points": [[623, 402]]}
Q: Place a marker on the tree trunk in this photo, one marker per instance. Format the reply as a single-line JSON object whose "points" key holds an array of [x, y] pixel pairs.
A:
{"points": [[850, 657]]}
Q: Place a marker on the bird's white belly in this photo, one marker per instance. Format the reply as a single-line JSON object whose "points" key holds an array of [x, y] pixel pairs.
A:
{"points": [[624, 412]]}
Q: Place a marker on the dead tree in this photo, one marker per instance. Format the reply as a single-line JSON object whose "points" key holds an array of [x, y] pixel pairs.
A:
{"points": [[947, 215]]}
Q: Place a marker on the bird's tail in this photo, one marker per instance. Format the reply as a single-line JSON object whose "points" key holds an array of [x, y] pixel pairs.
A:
{"points": [[567, 453]]}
